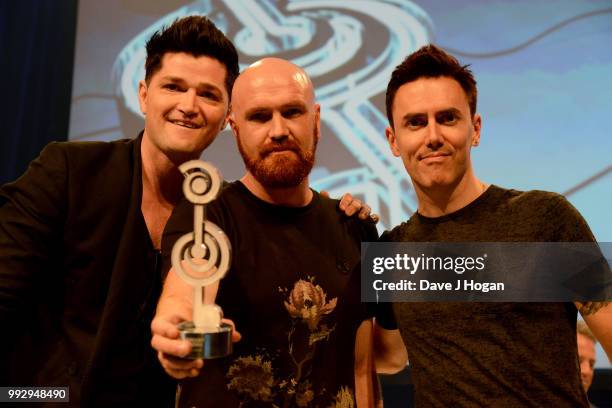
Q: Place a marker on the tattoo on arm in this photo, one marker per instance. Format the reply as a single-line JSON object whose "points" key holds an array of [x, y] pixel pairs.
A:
{"points": [[588, 308]]}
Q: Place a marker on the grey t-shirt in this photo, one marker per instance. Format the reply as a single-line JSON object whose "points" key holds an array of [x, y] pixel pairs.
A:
{"points": [[494, 354]]}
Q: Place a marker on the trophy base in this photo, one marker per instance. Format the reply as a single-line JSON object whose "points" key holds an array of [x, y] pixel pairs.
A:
{"points": [[207, 344]]}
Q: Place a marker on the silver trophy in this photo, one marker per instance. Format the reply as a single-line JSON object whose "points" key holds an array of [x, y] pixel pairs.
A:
{"points": [[202, 258]]}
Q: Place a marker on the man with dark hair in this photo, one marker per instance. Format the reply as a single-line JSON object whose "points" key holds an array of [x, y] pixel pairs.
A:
{"points": [[80, 232], [293, 286], [430, 62], [478, 354], [196, 36]]}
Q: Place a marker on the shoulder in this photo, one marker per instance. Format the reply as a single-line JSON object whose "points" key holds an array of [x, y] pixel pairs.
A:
{"points": [[328, 205], [557, 218], [181, 220], [71, 147], [537, 198], [528, 204], [81, 156], [231, 200], [402, 232], [230, 192], [365, 230], [61, 165], [542, 203], [81, 151]]}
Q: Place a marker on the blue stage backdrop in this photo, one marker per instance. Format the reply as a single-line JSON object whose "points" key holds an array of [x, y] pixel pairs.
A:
{"points": [[543, 71]]}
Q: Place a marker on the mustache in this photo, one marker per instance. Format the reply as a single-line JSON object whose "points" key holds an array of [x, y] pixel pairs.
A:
{"points": [[280, 147]]}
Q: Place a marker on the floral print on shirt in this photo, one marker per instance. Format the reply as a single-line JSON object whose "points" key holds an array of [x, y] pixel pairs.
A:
{"points": [[252, 377]]}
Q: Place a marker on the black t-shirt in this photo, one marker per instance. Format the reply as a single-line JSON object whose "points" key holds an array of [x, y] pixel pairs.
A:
{"points": [[494, 354], [293, 293]]}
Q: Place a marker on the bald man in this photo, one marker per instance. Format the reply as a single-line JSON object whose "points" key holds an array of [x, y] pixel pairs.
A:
{"points": [[293, 287]]}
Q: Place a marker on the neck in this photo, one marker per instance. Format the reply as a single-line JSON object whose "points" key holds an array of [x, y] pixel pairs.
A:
{"points": [[298, 196], [161, 179], [436, 201]]}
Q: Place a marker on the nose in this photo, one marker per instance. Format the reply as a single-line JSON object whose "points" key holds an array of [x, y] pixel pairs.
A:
{"points": [[187, 102], [434, 135], [278, 128]]}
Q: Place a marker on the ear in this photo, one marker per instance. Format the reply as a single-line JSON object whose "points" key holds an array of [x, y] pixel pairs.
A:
{"points": [[477, 125], [232, 122], [227, 118], [392, 141], [317, 108], [142, 96]]}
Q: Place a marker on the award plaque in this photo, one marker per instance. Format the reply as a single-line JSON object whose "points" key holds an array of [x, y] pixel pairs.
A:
{"points": [[201, 258]]}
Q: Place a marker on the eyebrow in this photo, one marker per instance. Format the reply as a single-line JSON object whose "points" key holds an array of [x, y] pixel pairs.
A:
{"points": [[411, 115], [289, 105], [450, 110], [199, 86]]}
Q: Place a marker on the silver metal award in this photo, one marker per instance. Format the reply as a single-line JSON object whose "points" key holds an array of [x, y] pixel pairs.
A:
{"points": [[201, 258]]}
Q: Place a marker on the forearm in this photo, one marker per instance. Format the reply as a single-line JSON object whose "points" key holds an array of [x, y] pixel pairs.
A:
{"points": [[364, 366], [390, 354], [599, 319], [176, 297]]}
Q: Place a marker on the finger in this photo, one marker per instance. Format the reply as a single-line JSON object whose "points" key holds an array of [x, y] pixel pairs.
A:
{"points": [[177, 348], [236, 336], [166, 326], [374, 218], [194, 373], [345, 201], [354, 207], [180, 364], [210, 293], [324, 193], [365, 211], [179, 373]]}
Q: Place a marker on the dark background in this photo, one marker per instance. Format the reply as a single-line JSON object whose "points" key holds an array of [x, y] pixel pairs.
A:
{"points": [[37, 40]]}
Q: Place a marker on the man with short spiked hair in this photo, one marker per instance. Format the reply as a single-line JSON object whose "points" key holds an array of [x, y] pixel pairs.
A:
{"points": [[478, 354], [80, 232]]}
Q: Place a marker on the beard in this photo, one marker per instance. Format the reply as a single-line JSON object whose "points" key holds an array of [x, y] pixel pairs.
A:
{"points": [[287, 168]]}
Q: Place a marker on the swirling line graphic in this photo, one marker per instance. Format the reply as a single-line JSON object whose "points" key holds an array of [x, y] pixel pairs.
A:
{"points": [[349, 69]]}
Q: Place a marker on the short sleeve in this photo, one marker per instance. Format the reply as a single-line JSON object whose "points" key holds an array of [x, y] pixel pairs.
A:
{"points": [[383, 315], [571, 226]]}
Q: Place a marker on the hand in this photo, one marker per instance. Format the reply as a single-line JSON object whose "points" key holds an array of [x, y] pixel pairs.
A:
{"points": [[352, 206], [171, 350]]}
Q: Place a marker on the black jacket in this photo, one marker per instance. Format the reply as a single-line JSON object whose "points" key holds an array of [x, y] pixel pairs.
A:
{"points": [[79, 277]]}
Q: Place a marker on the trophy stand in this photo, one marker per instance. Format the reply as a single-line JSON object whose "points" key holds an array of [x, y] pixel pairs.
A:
{"points": [[201, 258]]}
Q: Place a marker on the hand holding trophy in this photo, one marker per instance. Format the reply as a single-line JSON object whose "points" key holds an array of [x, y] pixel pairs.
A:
{"points": [[202, 258]]}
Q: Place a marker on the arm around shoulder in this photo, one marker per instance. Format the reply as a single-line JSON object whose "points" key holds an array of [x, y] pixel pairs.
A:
{"points": [[598, 316]]}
